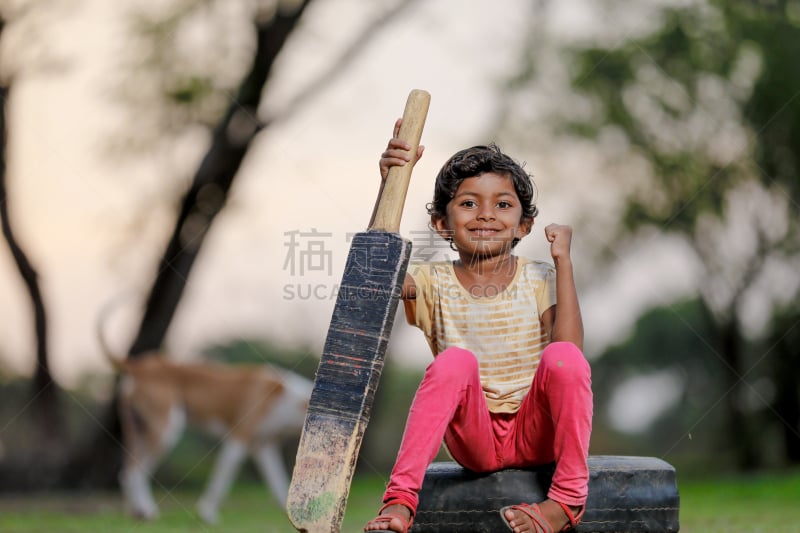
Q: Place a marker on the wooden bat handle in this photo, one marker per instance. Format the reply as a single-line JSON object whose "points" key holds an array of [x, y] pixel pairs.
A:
{"points": [[393, 196]]}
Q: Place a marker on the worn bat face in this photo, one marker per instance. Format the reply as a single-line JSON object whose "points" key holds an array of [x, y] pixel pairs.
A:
{"points": [[347, 379], [352, 359]]}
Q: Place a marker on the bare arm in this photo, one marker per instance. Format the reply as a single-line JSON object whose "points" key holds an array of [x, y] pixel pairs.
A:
{"points": [[563, 319], [396, 154]]}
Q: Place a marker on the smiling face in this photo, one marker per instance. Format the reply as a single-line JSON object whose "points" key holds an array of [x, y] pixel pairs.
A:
{"points": [[484, 217]]}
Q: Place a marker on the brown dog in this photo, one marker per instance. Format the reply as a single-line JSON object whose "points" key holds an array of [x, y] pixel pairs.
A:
{"points": [[252, 409]]}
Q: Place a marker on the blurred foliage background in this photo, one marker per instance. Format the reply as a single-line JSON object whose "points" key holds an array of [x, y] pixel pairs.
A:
{"points": [[691, 122]]}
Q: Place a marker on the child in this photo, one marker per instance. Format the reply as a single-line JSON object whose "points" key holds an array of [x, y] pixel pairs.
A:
{"points": [[509, 386]]}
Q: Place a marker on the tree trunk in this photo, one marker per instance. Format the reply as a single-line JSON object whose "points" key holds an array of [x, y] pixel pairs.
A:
{"points": [[740, 431], [45, 400], [97, 465], [787, 405], [784, 339], [212, 182]]}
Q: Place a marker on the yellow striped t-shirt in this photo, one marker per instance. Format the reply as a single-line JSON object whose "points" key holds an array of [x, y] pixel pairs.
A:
{"points": [[504, 331]]}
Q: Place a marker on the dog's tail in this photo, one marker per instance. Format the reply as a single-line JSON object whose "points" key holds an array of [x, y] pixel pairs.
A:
{"points": [[117, 361]]}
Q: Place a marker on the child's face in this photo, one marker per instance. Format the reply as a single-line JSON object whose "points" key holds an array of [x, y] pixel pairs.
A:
{"points": [[484, 216]]}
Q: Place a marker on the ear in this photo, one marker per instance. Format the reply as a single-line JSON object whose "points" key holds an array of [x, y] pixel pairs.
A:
{"points": [[439, 223], [524, 227]]}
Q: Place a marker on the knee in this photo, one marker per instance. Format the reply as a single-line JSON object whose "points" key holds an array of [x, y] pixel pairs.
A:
{"points": [[565, 357], [454, 362]]}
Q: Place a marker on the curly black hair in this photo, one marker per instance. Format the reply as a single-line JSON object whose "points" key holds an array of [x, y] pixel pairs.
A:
{"points": [[472, 162]]}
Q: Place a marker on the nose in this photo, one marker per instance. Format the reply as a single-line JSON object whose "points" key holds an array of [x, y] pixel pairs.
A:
{"points": [[486, 212]]}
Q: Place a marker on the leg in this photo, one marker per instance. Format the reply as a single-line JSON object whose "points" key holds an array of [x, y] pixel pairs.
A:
{"points": [[270, 464], [147, 441], [134, 480], [227, 465], [554, 424], [450, 392]]}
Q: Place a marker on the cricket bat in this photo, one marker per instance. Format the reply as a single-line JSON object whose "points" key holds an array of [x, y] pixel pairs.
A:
{"points": [[354, 350]]}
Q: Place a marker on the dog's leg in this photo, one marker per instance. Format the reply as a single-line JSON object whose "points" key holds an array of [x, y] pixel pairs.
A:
{"points": [[270, 464], [138, 457], [134, 481], [227, 465], [146, 444]]}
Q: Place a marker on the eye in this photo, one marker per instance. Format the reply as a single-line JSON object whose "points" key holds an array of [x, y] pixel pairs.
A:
{"points": [[503, 204], [468, 204]]}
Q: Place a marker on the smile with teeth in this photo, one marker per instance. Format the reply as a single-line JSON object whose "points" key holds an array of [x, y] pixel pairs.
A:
{"points": [[484, 232]]}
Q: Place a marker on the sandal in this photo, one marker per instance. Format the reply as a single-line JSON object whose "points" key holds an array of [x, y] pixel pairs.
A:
{"points": [[386, 518], [540, 524]]}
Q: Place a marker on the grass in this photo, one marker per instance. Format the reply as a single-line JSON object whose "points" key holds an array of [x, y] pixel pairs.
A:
{"points": [[768, 503]]}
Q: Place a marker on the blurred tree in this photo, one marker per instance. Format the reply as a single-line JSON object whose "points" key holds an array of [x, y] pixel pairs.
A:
{"points": [[45, 398], [667, 342], [209, 189], [782, 346], [98, 463], [190, 99], [699, 122], [194, 98]]}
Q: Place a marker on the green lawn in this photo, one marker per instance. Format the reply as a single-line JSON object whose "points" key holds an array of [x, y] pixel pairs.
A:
{"points": [[764, 503]]}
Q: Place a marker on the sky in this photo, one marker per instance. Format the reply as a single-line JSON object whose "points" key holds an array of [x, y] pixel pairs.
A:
{"points": [[94, 226]]}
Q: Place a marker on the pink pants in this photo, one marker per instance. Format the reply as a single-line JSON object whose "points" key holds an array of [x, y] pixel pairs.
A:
{"points": [[553, 423]]}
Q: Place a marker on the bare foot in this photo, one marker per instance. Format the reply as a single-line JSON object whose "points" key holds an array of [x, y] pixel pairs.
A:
{"points": [[550, 511], [398, 522]]}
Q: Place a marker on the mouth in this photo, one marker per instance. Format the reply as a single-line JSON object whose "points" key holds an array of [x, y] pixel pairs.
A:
{"points": [[484, 233]]}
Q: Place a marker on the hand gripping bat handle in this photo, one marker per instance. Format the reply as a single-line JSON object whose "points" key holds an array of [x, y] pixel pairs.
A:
{"points": [[393, 196]]}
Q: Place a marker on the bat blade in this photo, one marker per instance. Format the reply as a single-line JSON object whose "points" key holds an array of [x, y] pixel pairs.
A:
{"points": [[352, 359], [346, 380]]}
